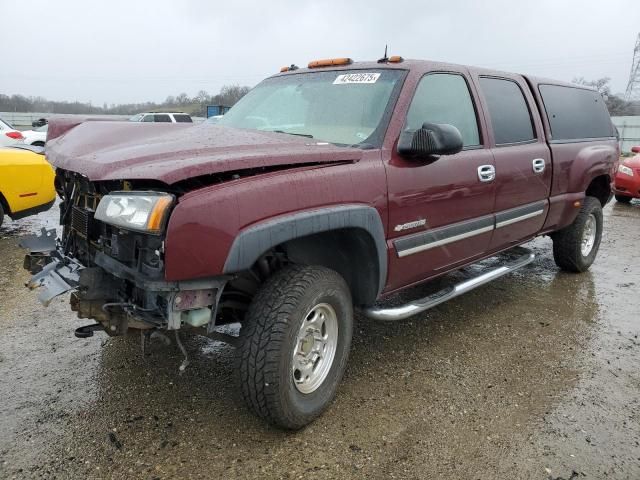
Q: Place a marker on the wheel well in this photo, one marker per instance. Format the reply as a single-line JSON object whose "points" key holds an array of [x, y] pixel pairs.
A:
{"points": [[600, 188], [5, 205], [350, 251]]}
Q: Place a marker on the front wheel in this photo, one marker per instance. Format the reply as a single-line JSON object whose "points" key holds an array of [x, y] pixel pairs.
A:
{"points": [[294, 345], [575, 247]]}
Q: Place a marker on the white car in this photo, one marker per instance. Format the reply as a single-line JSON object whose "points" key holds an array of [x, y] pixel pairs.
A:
{"points": [[9, 135], [36, 137], [166, 117]]}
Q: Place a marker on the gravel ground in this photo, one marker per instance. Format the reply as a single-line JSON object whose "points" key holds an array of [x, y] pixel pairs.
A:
{"points": [[536, 375]]}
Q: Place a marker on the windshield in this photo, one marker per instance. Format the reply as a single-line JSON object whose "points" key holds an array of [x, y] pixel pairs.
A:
{"points": [[2, 122], [344, 107], [137, 117]]}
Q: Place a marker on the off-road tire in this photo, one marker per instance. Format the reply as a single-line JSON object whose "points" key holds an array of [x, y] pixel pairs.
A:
{"points": [[623, 199], [568, 241], [1, 215], [269, 335]]}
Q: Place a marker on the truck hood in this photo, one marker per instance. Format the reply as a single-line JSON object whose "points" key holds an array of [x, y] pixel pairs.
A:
{"points": [[173, 152]]}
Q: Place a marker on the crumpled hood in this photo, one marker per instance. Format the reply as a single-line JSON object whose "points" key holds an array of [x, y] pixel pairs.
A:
{"points": [[171, 152]]}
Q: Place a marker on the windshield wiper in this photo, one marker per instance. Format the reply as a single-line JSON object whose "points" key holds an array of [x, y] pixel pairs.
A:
{"points": [[308, 135]]}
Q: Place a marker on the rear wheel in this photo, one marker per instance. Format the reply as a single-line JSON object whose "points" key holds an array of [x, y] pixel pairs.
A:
{"points": [[576, 246], [294, 345], [623, 198]]}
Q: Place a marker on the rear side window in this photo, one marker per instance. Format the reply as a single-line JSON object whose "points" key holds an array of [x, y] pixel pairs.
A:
{"points": [[445, 98], [510, 116], [182, 118], [575, 113], [162, 118]]}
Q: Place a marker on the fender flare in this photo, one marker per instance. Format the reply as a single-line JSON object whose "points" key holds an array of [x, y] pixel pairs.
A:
{"points": [[256, 239], [591, 162]]}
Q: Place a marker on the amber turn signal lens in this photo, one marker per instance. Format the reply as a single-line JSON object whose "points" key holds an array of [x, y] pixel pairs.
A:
{"points": [[577, 203], [330, 62], [157, 215]]}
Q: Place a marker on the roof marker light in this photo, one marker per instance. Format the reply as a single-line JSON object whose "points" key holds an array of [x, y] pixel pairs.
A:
{"points": [[330, 62], [290, 68]]}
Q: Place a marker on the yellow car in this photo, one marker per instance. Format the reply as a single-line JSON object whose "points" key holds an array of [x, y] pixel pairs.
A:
{"points": [[26, 182]]}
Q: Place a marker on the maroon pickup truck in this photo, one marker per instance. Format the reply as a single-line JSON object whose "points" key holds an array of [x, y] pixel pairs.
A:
{"points": [[323, 189]]}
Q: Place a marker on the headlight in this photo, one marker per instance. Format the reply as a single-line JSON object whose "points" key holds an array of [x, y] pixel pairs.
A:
{"points": [[140, 211], [626, 170]]}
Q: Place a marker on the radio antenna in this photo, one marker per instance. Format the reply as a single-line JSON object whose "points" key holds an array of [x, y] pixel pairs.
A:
{"points": [[384, 59]]}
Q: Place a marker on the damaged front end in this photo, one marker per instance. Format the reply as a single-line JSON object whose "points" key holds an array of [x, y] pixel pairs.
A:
{"points": [[116, 274]]}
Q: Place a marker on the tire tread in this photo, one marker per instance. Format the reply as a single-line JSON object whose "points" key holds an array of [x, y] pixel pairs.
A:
{"points": [[265, 331], [566, 242]]}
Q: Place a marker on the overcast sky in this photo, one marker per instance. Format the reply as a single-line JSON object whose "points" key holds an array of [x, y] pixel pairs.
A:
{"points": [[137, 50]]}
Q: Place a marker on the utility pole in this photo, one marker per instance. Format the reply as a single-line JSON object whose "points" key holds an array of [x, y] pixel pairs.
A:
{"points": [[633, 87]]}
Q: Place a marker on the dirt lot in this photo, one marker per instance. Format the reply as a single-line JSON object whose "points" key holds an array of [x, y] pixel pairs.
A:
{"points": [[536, 375]]}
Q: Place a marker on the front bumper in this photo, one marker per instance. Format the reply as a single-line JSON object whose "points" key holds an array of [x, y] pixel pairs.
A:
{"points": [[116, 295], [33, 210], [627, 185]]}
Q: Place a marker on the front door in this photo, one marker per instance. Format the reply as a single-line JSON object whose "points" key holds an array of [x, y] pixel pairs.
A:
{"points": [[440, 213]]}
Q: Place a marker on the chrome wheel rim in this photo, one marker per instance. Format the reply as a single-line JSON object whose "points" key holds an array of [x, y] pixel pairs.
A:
{"points": [[588, 235], [315, 348]]}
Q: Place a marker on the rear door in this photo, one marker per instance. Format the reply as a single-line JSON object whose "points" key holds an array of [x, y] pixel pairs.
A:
{"points": [[521, 155], [440, 212]]}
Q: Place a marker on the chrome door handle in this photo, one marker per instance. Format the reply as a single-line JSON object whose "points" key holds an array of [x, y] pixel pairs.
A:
{"points": [[538, 165], [486, 173]]}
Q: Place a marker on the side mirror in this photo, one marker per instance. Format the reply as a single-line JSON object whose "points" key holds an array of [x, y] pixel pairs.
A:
{"points": [[431, 139], [635, 149]]}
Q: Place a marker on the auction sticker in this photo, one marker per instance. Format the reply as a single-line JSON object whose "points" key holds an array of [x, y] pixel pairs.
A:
{"points": [[349, 78]]}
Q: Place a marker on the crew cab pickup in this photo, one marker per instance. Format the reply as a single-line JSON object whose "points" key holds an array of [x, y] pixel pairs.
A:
{"points": [[323, 191]]}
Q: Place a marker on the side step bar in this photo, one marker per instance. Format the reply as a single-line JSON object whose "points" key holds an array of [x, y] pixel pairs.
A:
{"points": [[418, 306]]}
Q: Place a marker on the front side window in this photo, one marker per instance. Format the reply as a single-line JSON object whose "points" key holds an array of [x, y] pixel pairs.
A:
{"points": [[510, 116], [346, 107], [445, 98], [148, 118]]}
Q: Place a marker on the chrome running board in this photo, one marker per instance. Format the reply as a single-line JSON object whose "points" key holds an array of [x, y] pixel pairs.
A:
{"points": [[418, 306]]}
